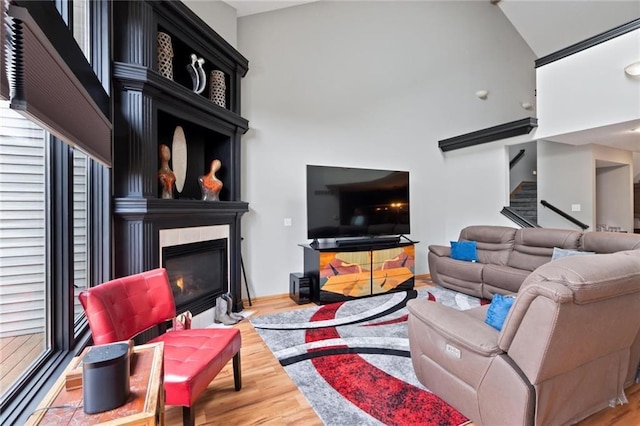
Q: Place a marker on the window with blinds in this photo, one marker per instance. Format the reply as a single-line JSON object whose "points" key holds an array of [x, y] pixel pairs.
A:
{"points": [[23, 244], [24, 240], [55, 209], [80, 227], [81, 28]]}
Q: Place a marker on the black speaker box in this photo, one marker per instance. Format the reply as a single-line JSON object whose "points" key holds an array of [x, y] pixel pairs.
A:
{"points": [[105, 377], [299, 288]]}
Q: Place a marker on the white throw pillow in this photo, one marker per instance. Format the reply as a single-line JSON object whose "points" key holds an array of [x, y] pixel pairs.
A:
{"points": [[560, 253]]}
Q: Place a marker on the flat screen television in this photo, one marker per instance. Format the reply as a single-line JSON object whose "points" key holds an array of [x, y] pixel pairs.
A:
{"points": [[351, 202]]}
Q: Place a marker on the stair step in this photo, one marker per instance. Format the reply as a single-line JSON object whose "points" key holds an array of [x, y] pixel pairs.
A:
{"points": [[524, 211], [526, 192], [523, 203], [533, 198]]}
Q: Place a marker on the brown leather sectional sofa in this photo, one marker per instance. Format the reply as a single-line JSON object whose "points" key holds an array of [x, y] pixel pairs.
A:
{"points": [[506, 256], [567, 349]]}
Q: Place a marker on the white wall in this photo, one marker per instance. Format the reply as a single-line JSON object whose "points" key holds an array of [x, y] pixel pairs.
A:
{"points": [[219, 16], [566, 176], [376, 85], [589, 89], [475, 189]]}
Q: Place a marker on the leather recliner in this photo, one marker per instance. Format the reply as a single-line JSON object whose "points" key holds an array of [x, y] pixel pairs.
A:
{"points": [[564, 351]]}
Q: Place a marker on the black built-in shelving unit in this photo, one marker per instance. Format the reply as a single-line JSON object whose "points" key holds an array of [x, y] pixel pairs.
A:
{"points": [[147, 109]]}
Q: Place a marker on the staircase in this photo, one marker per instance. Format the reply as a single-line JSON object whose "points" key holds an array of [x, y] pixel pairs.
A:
{"points": [[524, 201]]}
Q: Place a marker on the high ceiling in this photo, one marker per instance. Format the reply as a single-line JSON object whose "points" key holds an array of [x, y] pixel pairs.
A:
{"points": [[550, 25], [546, 25]]}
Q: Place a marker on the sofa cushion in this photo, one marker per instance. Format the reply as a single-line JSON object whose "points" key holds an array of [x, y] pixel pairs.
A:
{"points": [[502, 279], [460, 275], [493, 242], [467, 271], [464, 250], [609, 242], [479, 312], [533, 247]]}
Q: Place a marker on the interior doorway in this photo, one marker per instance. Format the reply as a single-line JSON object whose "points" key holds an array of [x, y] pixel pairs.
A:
{"points": [[523, 186], [614, 196]]}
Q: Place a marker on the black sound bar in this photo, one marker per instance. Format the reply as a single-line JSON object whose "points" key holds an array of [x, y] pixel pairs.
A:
{"points": [[367, 241]]}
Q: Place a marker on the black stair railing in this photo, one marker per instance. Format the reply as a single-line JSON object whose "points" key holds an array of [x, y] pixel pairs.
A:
{"points": [[570, 218], [515, 159], [517, 218]]}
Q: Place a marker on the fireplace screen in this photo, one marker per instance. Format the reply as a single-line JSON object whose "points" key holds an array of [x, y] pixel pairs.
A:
{"points": [[197, 273]]}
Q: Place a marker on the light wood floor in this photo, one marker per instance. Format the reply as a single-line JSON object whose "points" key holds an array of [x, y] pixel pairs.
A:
{"points": [[269, 397]]}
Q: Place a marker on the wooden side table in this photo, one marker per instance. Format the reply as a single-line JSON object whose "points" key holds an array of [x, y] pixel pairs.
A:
{"points": [[145, 406]]}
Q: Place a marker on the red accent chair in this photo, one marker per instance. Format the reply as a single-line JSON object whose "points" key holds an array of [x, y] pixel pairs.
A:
{"points": [[122, 308]]}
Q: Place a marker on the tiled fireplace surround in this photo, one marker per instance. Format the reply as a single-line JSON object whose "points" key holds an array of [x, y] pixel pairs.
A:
{"points": [[178, 236]]}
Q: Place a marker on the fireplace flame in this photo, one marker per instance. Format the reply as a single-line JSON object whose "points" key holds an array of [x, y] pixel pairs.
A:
{"points": [[180, 284]]}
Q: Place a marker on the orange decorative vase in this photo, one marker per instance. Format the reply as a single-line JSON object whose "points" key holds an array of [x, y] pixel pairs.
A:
{"points": [[165, 175], [210, 184]]}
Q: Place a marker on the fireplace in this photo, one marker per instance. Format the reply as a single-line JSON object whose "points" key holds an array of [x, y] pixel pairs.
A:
{"points": [[197, 272]]}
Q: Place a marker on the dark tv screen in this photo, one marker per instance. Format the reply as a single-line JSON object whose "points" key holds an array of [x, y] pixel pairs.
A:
{"points": [[350, 202]]}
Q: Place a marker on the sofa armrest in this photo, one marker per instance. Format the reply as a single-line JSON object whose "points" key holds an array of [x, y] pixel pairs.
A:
{"points": [[441, 251], [457, 326]]}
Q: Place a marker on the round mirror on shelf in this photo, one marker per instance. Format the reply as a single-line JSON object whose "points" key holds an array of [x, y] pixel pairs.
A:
{"points": [[179, 157]]}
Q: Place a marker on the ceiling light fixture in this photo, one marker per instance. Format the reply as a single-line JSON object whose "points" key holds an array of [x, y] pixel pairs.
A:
{"points": [[633, 69], [526, 105], [636, 130]]}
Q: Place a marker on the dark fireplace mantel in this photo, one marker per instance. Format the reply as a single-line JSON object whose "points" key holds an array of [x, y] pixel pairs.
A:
{"points": [[150, 207]]}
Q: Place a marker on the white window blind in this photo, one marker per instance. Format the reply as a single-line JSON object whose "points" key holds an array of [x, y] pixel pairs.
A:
{"points": [[81, 26], [80, 227], [23, 213]]}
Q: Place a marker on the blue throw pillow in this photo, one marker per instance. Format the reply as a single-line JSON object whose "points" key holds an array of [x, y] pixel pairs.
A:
{"points": [[464, 250], [498, 310]]}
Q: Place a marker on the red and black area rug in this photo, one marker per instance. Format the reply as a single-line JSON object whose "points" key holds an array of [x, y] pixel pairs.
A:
{"points": [[351, 359]]}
